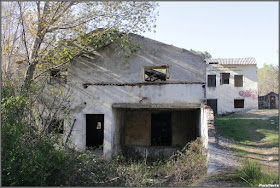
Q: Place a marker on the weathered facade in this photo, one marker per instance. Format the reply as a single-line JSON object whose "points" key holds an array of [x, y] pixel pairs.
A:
{"points": [[153, 101], [231, 84], [269, 101]]}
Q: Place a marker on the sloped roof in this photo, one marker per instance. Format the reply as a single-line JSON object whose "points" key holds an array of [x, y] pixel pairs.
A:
{"points": [[271, 93], [232, 61]]}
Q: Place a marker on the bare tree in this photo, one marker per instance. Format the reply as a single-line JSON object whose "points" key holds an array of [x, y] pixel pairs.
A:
{"points": [[43, 25]]}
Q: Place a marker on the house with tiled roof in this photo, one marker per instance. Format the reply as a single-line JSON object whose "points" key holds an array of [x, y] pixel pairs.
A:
{"points": [[231, 84]]}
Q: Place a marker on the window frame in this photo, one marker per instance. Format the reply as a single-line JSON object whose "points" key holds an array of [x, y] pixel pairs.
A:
{"points": [[222, 82], [235, 105], [239, 84], [215, 80], [167, 75]]}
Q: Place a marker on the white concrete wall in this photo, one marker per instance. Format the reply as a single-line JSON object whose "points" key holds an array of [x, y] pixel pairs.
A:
{"points": [[99, 100], [203, 126], [110, 68], [226, 93]]}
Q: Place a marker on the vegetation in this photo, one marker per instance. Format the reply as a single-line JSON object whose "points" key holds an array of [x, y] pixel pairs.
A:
{"points": [[205, 54], [31, 158], [32, 30], [268, 79], [252, 175], [256, 140]]}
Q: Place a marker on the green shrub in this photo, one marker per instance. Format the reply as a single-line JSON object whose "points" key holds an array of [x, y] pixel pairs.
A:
{"points": [[33, 159], [28, 158], [187, 166], [252, 175]]}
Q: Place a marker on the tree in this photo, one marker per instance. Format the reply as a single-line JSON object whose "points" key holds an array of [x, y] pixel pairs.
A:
{"points": [[32, 29], [268, 79], [205, 54]]}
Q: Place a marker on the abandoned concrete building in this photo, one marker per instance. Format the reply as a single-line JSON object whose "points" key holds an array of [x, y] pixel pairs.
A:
{"points": [[231, 84], [153, 101], [268, 101]]}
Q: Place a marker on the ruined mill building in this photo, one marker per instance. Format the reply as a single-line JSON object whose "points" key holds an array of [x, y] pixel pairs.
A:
{"points": [[154, 101]]}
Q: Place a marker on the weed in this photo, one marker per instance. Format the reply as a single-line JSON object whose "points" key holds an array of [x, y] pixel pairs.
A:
{"points": [[252, 175], [187, 165]]}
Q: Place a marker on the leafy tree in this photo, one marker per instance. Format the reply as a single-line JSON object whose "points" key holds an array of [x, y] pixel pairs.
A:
{"points": [[268, 79], [32, 29], [31, 32], [205, 54]]}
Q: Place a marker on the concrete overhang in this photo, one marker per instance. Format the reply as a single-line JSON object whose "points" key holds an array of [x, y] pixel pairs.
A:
{"points": [[157, 106]]}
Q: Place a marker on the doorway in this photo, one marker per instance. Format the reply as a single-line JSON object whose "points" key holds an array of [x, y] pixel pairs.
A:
{"points": [[213, 104], [94, 130], [161, 129], [272, 102]]}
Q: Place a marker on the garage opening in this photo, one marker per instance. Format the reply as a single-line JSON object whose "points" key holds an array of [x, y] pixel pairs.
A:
{"points": [[150, 127], [94, 130], [161, 129]]}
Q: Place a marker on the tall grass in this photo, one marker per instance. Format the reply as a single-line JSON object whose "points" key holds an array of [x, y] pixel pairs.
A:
{"points": [[252, 175]]}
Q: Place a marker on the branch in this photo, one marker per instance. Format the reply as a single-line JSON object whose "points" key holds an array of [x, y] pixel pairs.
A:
{"points": [[23, 31], [38, 9], [70, 27], [55, 19]]}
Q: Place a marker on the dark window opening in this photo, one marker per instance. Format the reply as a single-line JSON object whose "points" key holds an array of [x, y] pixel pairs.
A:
{"points": [[211, 80], [238, 80], [57, 76], [224, 78], [158, 73], [238, 103], [161, 129], [94, 130], [213, 63], [56, 126]]}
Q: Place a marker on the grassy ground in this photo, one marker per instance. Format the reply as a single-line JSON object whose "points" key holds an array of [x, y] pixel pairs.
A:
{"points": [[255, 138]]}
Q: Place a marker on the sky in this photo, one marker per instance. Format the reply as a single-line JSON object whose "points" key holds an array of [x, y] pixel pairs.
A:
{"points": [[224, 29]]}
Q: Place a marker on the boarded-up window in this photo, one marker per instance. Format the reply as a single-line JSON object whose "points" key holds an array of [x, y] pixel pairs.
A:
{"points": [[211, 80], [156, 73], [238, 80], [224, 78], [238, 103]]}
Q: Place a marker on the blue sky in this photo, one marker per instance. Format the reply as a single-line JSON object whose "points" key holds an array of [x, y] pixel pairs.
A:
{"points": [[224, 29]]}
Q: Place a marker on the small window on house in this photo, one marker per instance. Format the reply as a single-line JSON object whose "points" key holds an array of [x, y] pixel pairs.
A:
{"points": [[213, 63], [238, 80], [56, 126], [156, 73], [57, 76], [224, 78], [238, 103], [211, 80]]}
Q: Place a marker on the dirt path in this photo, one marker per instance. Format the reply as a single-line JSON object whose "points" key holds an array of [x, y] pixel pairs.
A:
{"points": [[221, 161]]}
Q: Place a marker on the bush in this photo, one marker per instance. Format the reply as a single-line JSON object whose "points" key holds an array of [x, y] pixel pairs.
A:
{"points": [[252, 175], [33, 159], [28, 158], [188, 165]]}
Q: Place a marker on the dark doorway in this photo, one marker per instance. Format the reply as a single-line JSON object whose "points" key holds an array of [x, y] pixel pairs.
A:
{"points": [[213, 104], [272, 102], [161, 129], [94, 130]]}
